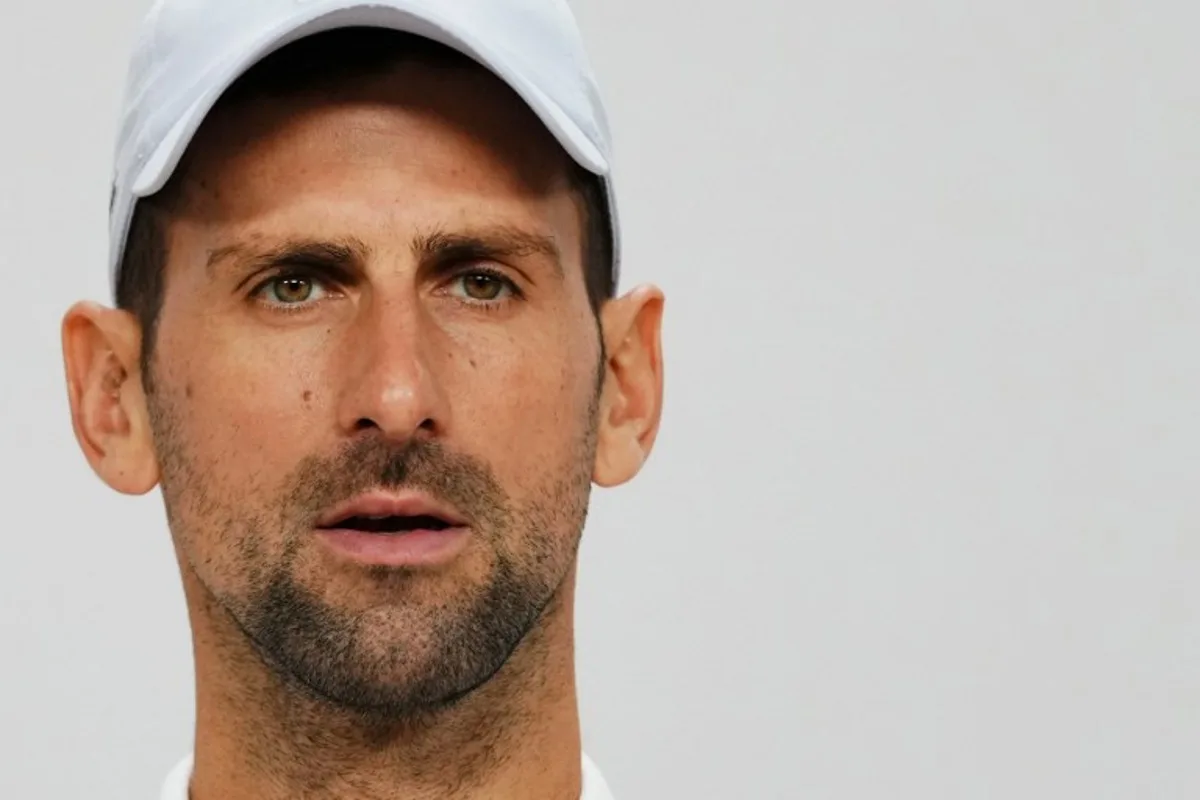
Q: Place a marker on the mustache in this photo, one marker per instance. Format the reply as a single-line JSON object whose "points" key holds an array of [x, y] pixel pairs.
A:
{"points": [[373, 463]]}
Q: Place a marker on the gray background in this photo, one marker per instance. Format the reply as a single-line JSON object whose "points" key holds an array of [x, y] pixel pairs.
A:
{"points": [[921, 522]]}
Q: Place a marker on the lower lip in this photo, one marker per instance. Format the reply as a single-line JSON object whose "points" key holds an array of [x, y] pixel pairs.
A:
{"points": [[419, 548]]}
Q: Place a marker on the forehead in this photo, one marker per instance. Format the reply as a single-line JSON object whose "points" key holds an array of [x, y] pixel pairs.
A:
{"points": [[414, 134]]}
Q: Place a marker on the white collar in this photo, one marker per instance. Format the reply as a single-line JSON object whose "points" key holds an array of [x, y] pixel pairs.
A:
{"points": [[176, 785]]}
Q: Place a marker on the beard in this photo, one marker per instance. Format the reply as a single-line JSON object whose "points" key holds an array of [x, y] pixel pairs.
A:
{"points": [[430, 639]]}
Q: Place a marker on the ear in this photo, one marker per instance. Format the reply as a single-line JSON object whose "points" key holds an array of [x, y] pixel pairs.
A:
{"points": [[101, 353], [631, 400]]}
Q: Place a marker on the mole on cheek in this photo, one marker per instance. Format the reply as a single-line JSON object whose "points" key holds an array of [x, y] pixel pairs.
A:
{"points": [[307, 395], [187, 390]]}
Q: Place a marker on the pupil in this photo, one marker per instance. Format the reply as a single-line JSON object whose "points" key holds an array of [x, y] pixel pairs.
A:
{"points": [[293, 289], [483, 287]]}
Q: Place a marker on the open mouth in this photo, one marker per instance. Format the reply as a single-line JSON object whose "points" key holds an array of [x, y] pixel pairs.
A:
{"points": [[392, 524], [395, 529]]}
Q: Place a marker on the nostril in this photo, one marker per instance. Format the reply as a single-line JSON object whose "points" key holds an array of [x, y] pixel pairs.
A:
{"points": [[366, 424]]}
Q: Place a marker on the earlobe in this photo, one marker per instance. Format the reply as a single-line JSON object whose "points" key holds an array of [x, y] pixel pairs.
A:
{"points": [[101, 352], [631, 402]]}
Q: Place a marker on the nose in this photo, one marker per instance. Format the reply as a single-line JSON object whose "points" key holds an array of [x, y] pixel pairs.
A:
{"points": [[389, 382]]}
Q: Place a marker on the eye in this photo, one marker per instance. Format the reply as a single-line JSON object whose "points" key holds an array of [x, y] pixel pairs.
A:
{"points": [[482, 286], [290, 290]]}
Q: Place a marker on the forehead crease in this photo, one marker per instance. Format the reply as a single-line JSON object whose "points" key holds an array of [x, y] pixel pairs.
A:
{"points": [[218, 254]]}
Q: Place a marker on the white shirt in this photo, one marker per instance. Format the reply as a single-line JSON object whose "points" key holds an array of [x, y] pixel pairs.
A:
{"points": [[176, 786]]}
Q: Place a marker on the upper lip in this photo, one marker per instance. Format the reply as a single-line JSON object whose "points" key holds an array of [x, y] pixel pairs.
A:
{"points": [[390, 504]]}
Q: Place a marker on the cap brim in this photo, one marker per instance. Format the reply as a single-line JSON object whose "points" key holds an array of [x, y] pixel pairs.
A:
{"points": [[409, 16]]}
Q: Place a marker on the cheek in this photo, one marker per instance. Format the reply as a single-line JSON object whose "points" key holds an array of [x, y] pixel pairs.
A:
{"points": [[523, 405], [246, 409], [239, 421]]}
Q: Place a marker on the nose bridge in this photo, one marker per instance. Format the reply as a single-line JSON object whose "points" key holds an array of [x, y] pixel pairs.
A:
{"points": [[390, 383]]}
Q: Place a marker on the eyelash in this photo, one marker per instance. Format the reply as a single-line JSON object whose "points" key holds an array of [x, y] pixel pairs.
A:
{"points": [[514, 291]]}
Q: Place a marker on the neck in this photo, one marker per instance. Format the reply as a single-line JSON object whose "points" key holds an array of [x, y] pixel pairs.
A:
{"points": [[261, 736]]}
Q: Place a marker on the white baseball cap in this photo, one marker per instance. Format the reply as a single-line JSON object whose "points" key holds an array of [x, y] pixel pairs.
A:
{"points": [[189, 52]]}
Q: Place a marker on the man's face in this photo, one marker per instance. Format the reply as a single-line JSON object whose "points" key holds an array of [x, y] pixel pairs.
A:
{"points": [[377, 288]]}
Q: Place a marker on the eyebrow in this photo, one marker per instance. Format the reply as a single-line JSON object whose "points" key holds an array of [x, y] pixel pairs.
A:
{"points": [[492, 242], [436, 246], [297, 252]]}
